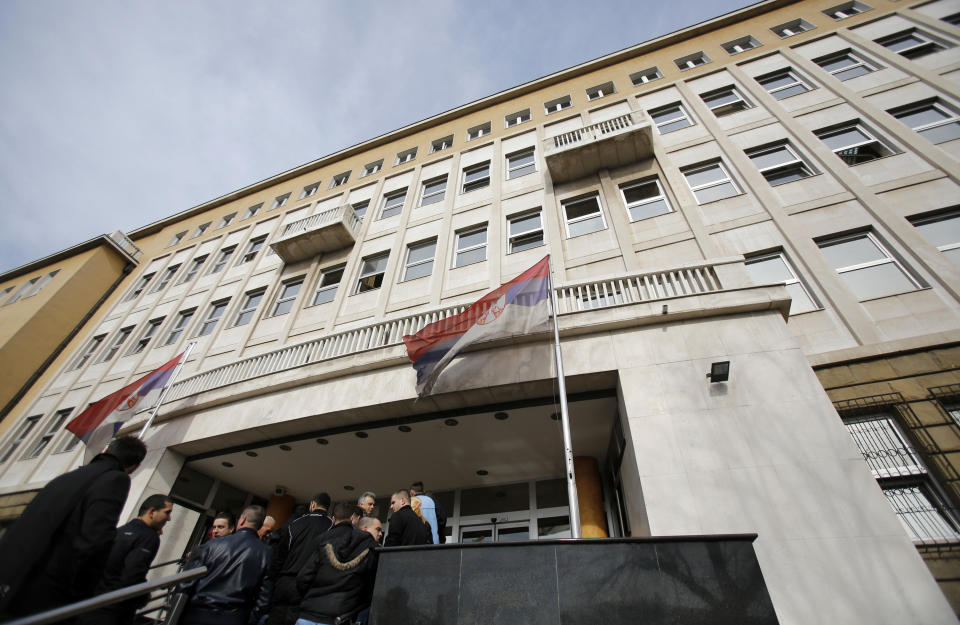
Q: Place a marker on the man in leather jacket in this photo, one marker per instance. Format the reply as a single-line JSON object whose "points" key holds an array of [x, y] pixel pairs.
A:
{"points": [[236, 589]]}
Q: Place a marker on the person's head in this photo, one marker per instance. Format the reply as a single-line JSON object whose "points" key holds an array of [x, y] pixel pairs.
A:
{"points": [[343, 512], [399, 499], [223, 525], [155, 511], [372, 526], [253, 517], [266, 526], [129, 450], [416, 488], [299, 510], [320, 501], [367, 501]]}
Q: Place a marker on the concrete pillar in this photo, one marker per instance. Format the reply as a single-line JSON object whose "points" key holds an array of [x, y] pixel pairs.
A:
{"points": [[593, 520]]}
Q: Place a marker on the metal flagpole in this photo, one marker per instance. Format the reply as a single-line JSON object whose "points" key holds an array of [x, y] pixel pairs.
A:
{"points": [[564, 416], [166, 388]]}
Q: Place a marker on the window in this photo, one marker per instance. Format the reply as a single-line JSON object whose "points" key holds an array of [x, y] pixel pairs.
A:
{"points": [[393, 203], [514, 119], [725, 101], [118, 342], [420, 259], [644, 76], [34, 286], [89, 351], [195, 266], [371, 168], [476, 176], [441, 144], [166, 277], [524, 232], [6, 291], [791, 28], [595, 93], [23, 289], [952, 19], [225, 220], [329, 281], [309, 190], [148, 333], [340, 179], [138, 288], [845, 64], [223, 259], [253, 210], [783, 83], [471, 246], [953, 409], [845, 10], [671, 117], [360, 208], [478, 131], [776, 269], [886, 450], [866, 267], [943, 230], [692, 60], [183, 320], [853, 143], [286, 297], [249, 307], [177, 238], [434, 190], [521, 163], [913, 43], [779, 163], [922, 514], [741, 45], [253, 248], [216, 311], [25, 428], [933, 120], [645, 199], [279, 201], [200, 230], [583, 215], [710, 182], [557, 104], [56, 422], [372, 271], [406, 156]]}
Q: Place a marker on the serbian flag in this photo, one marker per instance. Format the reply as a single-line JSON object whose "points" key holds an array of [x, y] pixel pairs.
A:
{"points": [[521, 306], [97, 425]]}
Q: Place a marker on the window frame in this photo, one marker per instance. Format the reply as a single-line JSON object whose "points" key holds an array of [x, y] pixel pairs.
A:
{"points": [[254, 245], [794, 279], [458, 251], [283, 298], [701, 167], [479, 131], [443, 143], [179, 327], [529, 152], [601, 91], [309, 190], [412, 265], [142, 283], [480, 182], [643, 76], [731, 47], [363, 206], [512, 237], [684, 115], [623, 188], [196, 266], [792, 28], [166, 278], [200, 230], [557, 104], [215, 312], [405, 156], [252, 211], [797, 162], [374, 273], [857, 62], [225, 220], [740, 103], [14, 442], [888, 258], [90, 350], [371, 168], [150, 330], [950, 117], [788, 72], [324, 287], [918, 221], [223, 260], [177, 238], [393, 196], [432, 197], [928, 44], [339, 180], [280, 200], [873, 139], [846, 9], [581, 199], [118, 342], [251, 302], [515, 119], [692, 61], [26, 286]]}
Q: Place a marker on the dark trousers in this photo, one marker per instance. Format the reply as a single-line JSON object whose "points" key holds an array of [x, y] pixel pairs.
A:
{"points": [[285, 603]]}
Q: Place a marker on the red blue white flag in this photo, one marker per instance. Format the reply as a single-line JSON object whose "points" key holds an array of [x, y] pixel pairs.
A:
{"points": [[98, 424], [521, 306]]}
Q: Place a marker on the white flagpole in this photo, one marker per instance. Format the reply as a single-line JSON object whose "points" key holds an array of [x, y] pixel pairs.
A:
{"points": [[565, 417], [166, 388]]}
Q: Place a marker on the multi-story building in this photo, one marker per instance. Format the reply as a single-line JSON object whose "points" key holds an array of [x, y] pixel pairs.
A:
{"points": [[775, 189]]}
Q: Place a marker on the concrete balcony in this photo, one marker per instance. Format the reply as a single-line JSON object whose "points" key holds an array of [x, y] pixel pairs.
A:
{"points": [[328, 231], [611, 143]]}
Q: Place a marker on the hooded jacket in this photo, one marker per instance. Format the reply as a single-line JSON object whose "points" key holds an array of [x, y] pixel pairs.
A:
{"points": [[339, 578]]}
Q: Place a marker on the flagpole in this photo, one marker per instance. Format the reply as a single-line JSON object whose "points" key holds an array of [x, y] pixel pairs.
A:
{"points": [[564, 416], [166, 388]]}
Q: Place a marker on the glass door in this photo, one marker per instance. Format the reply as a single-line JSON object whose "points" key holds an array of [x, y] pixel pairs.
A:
{"points": [[495, 532]]}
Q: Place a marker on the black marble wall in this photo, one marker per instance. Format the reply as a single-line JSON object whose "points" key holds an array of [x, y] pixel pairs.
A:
{"points": [[676, 580]]}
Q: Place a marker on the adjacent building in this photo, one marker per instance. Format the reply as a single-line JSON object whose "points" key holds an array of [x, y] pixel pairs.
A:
{"points": [[773, 192]]}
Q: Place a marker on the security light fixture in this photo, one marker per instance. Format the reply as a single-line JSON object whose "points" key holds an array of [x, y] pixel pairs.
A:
{"points": [[322, 441], [252, 454], [719, 371], [405, 428], [501, 416], [451, 422], [229, 465], [348, 487], [482, 472], [361, 434], [286, 447]]}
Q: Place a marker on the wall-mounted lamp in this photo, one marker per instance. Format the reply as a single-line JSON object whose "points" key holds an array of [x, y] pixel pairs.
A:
{"points": [[719, 371]]}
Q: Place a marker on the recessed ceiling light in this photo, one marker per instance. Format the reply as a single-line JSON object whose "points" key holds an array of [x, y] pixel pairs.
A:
{"points": [[451, 422], [482, 472], [348, 487], [501, 416], [555, 416], [286, 447], [405, 428], [322, 441], [229, 465], [361, 434], [252, 454]]}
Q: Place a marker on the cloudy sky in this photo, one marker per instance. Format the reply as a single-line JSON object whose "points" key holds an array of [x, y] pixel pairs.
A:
{"points": [[114, 114]]}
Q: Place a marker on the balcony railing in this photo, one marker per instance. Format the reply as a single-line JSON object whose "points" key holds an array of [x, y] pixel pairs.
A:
{"points": [[571, 298], [607, 144], [330, 230]]}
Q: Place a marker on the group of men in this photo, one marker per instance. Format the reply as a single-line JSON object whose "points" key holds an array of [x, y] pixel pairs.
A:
{"points": [[317, 568]]}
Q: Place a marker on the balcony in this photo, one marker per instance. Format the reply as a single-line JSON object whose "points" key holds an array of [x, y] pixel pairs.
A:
{"points": [[611, 143], [328, 231]]}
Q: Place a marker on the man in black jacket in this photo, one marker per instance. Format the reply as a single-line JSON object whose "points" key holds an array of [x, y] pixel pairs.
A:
{"points": [[134, 549], [294, 548], [55, 553], [236, 588], [406, 528], [338, 580]]}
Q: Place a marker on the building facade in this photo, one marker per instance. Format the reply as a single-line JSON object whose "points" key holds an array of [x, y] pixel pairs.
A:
{"points": [[775, 189]]}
